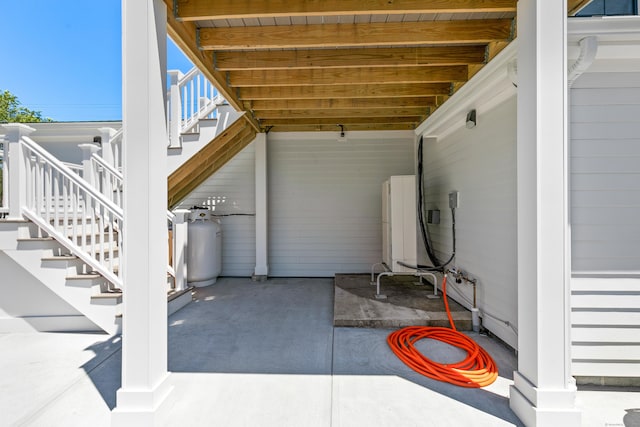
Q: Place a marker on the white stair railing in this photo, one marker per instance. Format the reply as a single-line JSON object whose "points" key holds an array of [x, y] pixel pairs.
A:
{"points": [[107, 179], [72, 211], [110, 182], [192, 97]]}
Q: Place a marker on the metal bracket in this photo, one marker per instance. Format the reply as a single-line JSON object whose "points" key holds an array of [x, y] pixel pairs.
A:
{"points": [[175, 10], [198, 45]]}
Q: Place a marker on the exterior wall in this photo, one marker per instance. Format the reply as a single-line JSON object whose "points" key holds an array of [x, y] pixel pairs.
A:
{"points": [[605, 203], [479, 163], [230, 192], [62, 139], [325, 202]]}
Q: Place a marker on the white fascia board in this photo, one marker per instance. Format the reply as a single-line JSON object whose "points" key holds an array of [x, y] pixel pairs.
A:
{"points": [[490, 87]]}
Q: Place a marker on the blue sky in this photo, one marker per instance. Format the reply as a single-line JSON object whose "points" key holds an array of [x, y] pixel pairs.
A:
{"points": [[63, 57]]}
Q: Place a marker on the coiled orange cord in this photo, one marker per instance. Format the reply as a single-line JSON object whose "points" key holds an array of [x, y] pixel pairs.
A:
{"points": [[477, 370]]}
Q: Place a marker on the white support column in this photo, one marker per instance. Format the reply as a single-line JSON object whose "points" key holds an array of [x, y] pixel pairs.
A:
{"points": [[544, 392], [262, 267], [106, 134], [145, 378], [175, 108], [180, 242], [14, 168]]}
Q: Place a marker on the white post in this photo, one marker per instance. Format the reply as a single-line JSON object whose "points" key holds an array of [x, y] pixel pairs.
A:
{"points": [[543, 393], [106, 134], [180, 241], [5, 177], [87, 170], [175, 108], [14, 168], [262, 267], [145, 379]]}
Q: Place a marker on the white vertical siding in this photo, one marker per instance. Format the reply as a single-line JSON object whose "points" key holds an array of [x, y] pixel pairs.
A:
{"points": [[230, 192], [480, 164], [605, 216], [325, 200]]}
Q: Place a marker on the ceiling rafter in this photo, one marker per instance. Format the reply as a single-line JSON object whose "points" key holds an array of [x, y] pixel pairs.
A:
{"points": [[344, 76], [345, 91], [337, 35], [315, 114], [347, 58], [326, 104], [238, 9]]}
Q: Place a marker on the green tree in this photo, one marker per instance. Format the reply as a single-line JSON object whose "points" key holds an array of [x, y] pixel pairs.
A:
{"points": [[12, 111]]}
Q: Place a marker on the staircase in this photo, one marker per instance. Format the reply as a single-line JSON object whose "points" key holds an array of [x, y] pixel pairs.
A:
{"points": [[62, 223]]}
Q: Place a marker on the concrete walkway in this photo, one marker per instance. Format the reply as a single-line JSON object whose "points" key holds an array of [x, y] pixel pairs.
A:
{"points": [[264, 354]]}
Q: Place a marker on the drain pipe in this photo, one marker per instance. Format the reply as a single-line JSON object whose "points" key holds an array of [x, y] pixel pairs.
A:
{"points": [[588, 51]]}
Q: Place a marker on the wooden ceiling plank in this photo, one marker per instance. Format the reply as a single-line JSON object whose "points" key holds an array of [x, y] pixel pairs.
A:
{"points": [[283, 114], [225, 9], [336, 35], [346, 58], [345, 91], [345, 76], [325, 104]]}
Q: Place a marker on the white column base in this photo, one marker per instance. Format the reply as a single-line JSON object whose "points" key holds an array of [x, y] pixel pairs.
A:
{"points": [[543, 407], [142, 408]]}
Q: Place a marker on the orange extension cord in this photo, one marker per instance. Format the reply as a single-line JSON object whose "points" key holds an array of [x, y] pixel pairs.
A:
{"points": [[477, 370]]}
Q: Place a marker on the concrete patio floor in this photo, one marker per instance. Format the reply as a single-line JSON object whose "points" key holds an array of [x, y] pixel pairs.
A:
{"points": [[266, 354]]}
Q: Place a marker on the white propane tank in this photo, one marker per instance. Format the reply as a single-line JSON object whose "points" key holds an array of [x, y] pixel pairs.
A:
{"points": [[204, 248]]}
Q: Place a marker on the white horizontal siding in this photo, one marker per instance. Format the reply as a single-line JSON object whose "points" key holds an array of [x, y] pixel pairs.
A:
{"points": [[480, 164], [605, 219], [605, 331], [325, 201], [605, 173], [230, 192]]}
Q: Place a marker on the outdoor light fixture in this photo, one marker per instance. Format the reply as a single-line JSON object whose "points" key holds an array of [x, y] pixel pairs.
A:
{"points": [[342, 137], [471, 119]]}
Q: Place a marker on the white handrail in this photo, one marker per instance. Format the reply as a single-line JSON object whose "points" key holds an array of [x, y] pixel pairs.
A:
{"points": [[69, 209], [199, 98]]}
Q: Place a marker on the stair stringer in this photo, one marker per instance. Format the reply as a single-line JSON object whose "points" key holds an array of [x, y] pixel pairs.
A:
{"points": [[209, 159]]}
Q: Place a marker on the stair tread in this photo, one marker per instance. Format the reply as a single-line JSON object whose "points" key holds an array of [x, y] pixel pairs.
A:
{"points": [[60, 258], [107, 295], [84, 276], [35, 239]]}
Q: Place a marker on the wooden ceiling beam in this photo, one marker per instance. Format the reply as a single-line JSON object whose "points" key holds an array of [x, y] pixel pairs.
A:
{"points": [[346, 58], [346, 76], [190, 10], [326, 104], [356, 127], [316, 114], [341, 120], [345, 91], [336, 35]]}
